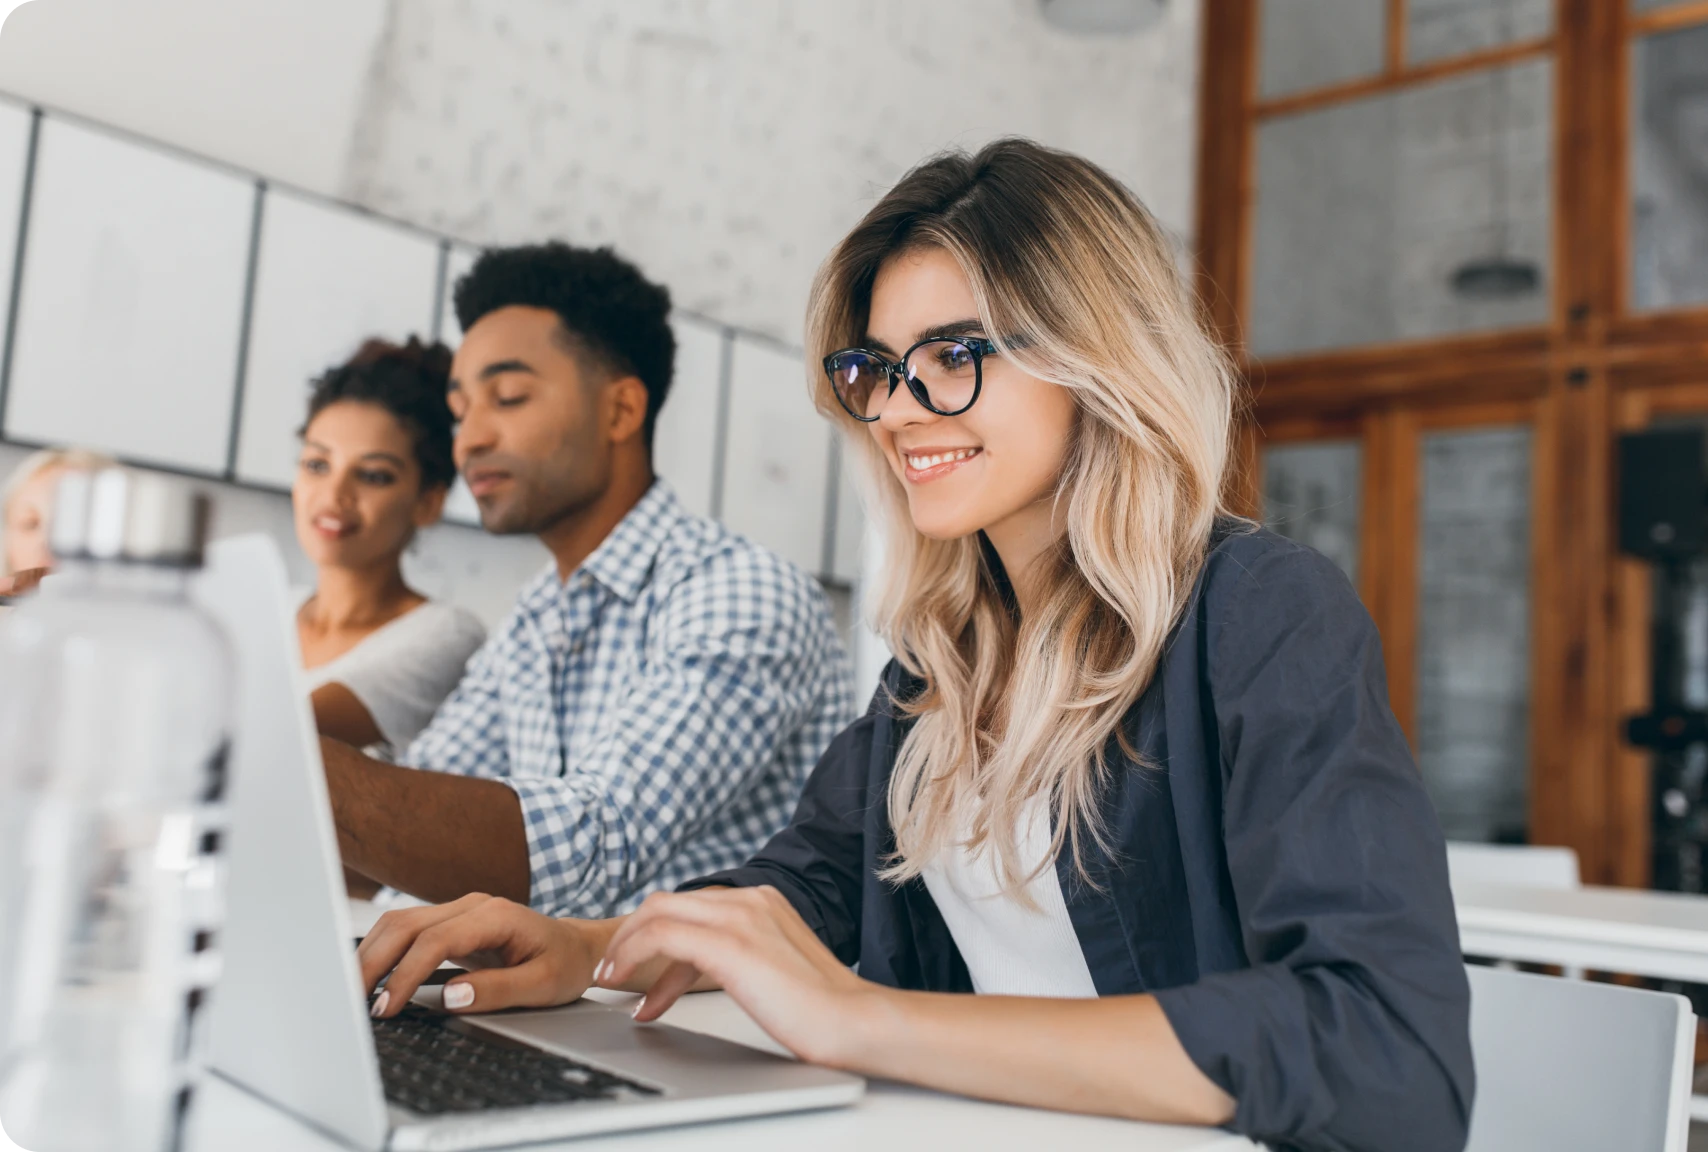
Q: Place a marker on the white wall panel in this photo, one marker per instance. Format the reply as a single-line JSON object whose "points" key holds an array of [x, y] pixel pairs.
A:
{"points": [[461, 259], [14, 162], [776, 461], [461, 507], [133, 289], [327, 278], [850, 529], [684, 446]]}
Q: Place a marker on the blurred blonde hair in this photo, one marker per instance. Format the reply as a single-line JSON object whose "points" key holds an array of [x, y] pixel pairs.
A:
{"points": [[28, 469], [1076, 283]]}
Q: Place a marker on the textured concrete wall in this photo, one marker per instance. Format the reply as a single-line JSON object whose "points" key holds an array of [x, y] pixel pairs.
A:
{"points": [[269, 86], [726, 144]]}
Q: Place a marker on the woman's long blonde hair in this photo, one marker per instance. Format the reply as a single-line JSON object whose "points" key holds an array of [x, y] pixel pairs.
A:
{"points": [[1077, 284]]}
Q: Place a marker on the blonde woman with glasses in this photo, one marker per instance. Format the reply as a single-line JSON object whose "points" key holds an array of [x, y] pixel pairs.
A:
{"points": [[1132, 777]]}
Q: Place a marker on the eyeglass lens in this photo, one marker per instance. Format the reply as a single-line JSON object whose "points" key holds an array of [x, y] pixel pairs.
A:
{"points": [[946, 370]]}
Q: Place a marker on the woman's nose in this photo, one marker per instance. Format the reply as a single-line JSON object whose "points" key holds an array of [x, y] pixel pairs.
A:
{"points": [[902, 409]]}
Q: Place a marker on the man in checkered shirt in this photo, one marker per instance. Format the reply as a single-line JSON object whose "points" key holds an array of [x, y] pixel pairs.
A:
{"points": [[652, 706]]}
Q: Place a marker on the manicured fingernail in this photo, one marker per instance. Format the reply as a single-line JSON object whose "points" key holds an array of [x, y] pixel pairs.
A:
{"points": [[636, 1010], [459, 995], [603, 973], [380, 1003]]}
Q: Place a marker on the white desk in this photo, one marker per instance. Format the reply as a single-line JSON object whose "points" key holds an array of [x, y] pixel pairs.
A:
{"points": [[891, 1117], [1661, 934]]}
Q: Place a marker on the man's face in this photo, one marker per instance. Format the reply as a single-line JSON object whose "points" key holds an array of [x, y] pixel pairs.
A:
{"points": [[528, 441]]}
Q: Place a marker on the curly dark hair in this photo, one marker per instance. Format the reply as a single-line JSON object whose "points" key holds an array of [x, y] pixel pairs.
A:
{"points": [[612, 315], [407, 380]]}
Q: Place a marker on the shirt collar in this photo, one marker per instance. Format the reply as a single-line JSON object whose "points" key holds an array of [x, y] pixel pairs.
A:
{"points": [[624, 559]]}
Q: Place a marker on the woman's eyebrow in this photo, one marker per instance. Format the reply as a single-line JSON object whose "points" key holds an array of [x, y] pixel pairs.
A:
{"points": [[385, 456], [970, 327]]}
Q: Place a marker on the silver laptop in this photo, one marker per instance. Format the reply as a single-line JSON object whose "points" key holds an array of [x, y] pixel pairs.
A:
{"points": [[289, 1018]]}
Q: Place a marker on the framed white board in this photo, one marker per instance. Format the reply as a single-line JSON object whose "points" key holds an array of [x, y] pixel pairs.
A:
{"points": [[460, 508], [457, 263], [684, 443], [132, 302], [776, 456], [849, 531], [14, 170], [326, 279]]}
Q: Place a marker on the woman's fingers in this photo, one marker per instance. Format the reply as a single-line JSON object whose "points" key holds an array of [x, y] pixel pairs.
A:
{"points": [[394, 933], [712, 950], [539, 983], [676, 980], [497, 926]]}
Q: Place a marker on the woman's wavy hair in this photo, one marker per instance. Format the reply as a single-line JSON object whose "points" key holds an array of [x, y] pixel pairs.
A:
{"points": [[1077, 284]]}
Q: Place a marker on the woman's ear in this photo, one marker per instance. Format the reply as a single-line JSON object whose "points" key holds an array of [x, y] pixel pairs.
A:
{"points": [[430, 505]]}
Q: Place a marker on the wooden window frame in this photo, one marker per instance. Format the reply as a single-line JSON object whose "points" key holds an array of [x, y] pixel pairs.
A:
{"points": [[1577, 376]]}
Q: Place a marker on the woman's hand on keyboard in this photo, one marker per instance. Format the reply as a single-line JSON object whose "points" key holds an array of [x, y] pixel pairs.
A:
{"points": [[516, 958], [752, 943]]}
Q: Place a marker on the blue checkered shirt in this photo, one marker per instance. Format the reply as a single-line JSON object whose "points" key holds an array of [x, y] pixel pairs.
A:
{"points": [[656, 713]]}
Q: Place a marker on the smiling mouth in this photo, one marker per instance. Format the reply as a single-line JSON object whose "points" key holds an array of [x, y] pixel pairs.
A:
{"points": [[923, 467], [333, 527]]}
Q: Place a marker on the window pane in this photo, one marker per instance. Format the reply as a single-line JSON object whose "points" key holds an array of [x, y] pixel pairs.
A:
{"points": [[1311, 43], [1311, 494], [1473, 636], [1436, 29], [1420, 213], [1669, 170]]}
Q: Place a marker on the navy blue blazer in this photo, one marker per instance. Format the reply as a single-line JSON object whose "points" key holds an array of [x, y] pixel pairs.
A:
{"points": [[1278, 878]]}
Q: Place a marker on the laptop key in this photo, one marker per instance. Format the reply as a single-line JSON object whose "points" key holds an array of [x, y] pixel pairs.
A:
{"points": [[431, 1064]]}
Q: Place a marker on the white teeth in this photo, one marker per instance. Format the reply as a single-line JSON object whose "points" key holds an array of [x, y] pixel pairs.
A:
{"points": [[920, 463]]}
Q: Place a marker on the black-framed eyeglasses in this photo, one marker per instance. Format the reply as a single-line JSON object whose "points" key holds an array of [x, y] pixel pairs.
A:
{"points": [[944, 373]]}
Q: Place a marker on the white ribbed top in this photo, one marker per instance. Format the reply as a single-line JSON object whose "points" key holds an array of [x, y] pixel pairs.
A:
{"points": [[1009, 949]]}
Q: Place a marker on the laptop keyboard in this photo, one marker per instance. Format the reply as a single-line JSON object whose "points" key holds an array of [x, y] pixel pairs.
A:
{"points": [[432, 1064]]}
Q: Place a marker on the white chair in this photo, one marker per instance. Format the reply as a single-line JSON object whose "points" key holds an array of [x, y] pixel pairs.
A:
{"points": [[1526, 865], [1521, 864], [1564, 1065]]}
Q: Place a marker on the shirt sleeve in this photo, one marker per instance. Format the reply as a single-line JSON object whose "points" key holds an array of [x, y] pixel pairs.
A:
{"points": [[739, 655], [404, 672], [818, 860], [1351, 1027], [466, 734]]}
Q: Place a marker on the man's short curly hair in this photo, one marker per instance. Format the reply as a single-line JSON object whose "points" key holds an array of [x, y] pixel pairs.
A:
{"points": [[407, 380], [612, 315]]}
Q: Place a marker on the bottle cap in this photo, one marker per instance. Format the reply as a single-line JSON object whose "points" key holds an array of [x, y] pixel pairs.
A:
{"points": [[134, 517]]}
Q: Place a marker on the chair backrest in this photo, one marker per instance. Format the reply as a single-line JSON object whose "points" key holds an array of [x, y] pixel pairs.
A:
{"points": [[1529, 865], [1567, 1064]]}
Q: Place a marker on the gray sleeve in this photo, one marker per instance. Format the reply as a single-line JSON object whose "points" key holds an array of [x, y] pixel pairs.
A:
{"points": [[1350, 1028], [403, 672]]}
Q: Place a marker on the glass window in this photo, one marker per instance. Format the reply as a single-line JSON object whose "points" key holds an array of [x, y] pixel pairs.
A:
{"points": [[1436, 29], [1473, 636], [1311, 494], [1306, 44], [1418, 213], [1669, 170]]}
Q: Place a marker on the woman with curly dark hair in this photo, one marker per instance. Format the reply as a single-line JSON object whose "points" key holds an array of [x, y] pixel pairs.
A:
{"points": [[375, 468]]}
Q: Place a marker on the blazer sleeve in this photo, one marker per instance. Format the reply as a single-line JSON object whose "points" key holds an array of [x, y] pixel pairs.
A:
{"points": [[1350, 1029], [819, 860]]}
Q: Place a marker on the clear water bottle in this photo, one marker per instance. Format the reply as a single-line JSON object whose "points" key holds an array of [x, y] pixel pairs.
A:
{"points": [[115, 714]]}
